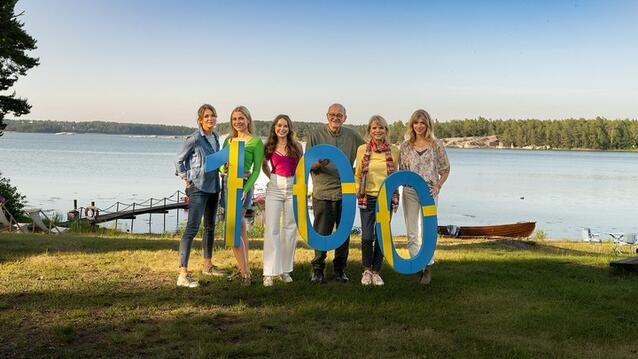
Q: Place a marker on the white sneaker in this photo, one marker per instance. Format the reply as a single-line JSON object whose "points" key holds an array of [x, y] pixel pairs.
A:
{"points": [[268, 282], [376, 279], [366, 278], [186, 280], [286, 278]]}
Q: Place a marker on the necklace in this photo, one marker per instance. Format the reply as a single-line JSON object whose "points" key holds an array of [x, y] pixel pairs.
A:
{"points": [[422, 146], [282, 148]]}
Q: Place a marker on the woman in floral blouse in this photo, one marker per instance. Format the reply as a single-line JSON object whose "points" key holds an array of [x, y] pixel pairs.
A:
{"points": [[425, 155]]}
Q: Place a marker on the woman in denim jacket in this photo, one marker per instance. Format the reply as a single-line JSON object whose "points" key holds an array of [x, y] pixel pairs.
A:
{"points": [[202, 189]]}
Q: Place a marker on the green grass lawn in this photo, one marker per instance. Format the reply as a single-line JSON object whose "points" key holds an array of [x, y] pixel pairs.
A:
{"points": [[83, 295]]}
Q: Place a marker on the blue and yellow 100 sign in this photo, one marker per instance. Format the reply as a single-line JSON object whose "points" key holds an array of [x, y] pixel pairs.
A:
{"points": [[234, 156]]}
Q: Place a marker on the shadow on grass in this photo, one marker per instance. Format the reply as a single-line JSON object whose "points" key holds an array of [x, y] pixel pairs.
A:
{"points": [[506, 308], [24, 245]]}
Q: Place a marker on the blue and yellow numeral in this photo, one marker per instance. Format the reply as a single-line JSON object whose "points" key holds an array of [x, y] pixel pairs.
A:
{"points": [[348, 198], [234, 156], [429, 223]]}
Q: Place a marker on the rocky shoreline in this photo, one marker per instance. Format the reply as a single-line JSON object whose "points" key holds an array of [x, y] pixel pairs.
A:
{"points": [[483, 142]]}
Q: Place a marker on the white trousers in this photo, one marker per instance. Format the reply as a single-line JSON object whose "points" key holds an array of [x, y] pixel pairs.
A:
{"points": [[280, 229], [412, 214]]}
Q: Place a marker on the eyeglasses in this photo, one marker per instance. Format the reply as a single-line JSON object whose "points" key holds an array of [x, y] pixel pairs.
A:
{"points": [[335, 115]]}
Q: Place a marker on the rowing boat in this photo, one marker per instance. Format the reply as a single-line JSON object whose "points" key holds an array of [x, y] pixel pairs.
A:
{"points": [[513, 230]]}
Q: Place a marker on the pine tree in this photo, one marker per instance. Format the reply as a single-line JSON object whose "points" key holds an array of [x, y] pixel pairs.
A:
{"points": [[14, 62]]}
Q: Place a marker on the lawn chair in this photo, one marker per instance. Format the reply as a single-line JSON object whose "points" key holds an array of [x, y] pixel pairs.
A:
{"points": [[588, 236], [624, 238], [630, 238], [35, 215], [8, 221]]}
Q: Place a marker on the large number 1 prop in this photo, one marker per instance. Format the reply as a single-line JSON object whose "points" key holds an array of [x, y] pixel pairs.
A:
{"points": [[348, 198], [428, 226], [234, 156]]}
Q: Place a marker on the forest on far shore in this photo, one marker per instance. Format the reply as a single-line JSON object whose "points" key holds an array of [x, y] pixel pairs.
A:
{"points": [[597, 134]]}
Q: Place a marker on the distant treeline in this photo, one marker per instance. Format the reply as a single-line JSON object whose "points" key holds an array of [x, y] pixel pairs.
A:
{"points": [[113, 128], [303, 129], [598, 133]]}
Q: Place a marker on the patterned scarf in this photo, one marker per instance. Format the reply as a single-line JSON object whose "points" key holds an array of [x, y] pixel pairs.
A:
{"points": [[365, 163]]}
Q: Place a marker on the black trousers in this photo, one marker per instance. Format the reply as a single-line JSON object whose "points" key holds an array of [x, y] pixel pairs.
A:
{"points": [[327, 215]]}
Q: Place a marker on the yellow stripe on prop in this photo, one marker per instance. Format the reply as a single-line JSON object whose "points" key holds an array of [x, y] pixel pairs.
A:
{"points": [[429, 211], [348, 188], [233, 184], [301, 191], [383, 218]]}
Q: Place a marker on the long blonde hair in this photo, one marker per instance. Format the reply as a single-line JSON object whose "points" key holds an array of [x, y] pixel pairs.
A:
{"points": [[420, 115], [246, 113]]}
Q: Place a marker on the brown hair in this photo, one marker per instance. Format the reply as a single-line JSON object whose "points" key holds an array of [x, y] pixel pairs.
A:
{"points": [[293, 147], [202, 109]]}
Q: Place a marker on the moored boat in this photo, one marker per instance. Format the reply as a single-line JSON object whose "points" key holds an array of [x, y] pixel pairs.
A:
{"points": [[513, 230]]}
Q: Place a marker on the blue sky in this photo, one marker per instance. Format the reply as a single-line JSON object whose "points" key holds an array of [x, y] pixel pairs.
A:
{"points": [[157, 61]]}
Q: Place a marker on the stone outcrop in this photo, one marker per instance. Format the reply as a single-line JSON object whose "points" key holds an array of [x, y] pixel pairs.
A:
{"points": [[485, 142], [473, 142]]}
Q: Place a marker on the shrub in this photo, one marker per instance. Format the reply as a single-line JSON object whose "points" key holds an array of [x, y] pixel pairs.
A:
{"points": [[540, 235], [14, 200]]}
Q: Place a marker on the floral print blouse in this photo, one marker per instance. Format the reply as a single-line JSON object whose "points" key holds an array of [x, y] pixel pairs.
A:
{"points": [[429, 164]]}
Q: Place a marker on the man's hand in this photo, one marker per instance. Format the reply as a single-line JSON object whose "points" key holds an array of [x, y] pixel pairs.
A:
{"points": [[318, 164]]}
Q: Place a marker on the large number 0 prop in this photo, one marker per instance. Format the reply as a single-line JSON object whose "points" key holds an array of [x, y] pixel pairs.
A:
{"points": [[348, 197], [429, 222], [234, 156]]}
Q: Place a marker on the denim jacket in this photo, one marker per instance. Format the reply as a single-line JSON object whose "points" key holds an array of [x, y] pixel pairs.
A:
{"points": [[191, 162]]}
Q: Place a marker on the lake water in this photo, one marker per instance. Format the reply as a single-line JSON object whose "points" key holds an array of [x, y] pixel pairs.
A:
{"points": [[562, 191]]}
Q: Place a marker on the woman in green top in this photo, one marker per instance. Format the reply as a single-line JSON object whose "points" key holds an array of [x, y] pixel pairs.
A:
{"points": [[242, 129]]}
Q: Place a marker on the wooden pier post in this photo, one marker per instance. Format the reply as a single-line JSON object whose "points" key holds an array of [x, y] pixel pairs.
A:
{"points": [[117, 209], [133, 217], [165, 214], [150, 217]]}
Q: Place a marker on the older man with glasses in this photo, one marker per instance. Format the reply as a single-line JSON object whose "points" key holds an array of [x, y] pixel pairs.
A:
{"points": [[326, 197]]}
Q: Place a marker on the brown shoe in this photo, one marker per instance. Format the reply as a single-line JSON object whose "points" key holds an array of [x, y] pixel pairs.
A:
{"points": [[426, 276], [246, 280], [213, 271]]}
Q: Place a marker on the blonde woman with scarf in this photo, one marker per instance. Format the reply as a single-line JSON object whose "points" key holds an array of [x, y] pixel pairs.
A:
{"points": [[376, 160]]}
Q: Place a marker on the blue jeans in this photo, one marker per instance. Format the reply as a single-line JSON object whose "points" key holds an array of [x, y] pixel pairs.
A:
{"points": [[370, 249], [199, 204]]}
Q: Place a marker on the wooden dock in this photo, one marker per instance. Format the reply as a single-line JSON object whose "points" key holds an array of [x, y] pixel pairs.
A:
{"points": [[130, 214], [129, 211]]}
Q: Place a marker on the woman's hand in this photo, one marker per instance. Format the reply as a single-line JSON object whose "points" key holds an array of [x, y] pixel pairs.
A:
{"points": [[435, 189]]}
